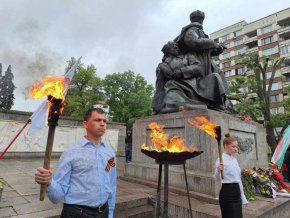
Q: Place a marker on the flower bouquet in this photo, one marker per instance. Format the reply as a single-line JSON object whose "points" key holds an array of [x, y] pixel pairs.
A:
{"points": [[267, 182], [257, 181]]}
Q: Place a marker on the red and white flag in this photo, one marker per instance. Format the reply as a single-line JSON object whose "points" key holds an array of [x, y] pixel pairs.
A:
{"points": [[39, 117]]}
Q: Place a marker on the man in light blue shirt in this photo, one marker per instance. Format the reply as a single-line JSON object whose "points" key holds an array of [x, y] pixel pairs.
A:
{"points": [[86, 175]]}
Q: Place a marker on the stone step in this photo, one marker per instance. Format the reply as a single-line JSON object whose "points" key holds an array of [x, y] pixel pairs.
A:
{"points": [[198, 196], [129, 201], [145, 211], [133, 206]]}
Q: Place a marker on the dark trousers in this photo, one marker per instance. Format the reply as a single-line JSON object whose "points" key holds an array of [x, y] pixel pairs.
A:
{"points": [[128, 155], [230, 201], [72, 211]]}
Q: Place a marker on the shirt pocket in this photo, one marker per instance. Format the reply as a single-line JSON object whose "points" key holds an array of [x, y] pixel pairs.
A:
{"points": [[83, 164]]}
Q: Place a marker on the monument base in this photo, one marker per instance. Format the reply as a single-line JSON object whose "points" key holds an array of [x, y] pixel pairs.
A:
{"points": [[200, 170]]}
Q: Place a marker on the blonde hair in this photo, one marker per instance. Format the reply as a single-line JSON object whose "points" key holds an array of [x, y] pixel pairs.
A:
{"points": [[228, 139]]}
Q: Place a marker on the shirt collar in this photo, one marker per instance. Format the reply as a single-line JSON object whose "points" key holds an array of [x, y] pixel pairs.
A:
{"points": [[85, 142], [229, 156]]}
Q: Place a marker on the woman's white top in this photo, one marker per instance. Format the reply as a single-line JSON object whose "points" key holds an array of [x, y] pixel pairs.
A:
{"points": [[231, 173]]}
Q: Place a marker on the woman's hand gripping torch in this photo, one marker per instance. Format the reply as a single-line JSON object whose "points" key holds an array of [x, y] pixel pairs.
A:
{"points": [[218, 138]]}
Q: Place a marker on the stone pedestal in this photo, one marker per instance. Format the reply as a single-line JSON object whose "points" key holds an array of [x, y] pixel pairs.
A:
{"points": [[200, 170]]}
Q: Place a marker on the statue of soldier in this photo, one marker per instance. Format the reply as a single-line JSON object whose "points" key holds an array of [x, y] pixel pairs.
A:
{"points": [[192, 39], [181, 83]]}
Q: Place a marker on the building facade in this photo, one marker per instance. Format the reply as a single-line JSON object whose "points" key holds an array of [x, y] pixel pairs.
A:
{"points": [[269, 36]]}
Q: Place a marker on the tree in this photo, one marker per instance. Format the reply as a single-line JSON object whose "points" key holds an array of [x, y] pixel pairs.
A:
{"points": [[128, 95], [85, 90], [7, 88], [253, 92]]}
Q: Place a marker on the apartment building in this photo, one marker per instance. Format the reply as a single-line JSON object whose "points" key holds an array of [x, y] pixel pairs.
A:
{"points": [[269, 36]]}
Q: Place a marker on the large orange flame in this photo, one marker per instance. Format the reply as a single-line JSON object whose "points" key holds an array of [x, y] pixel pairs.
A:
{"points": [[51, 86], [161, 142], [205, 125]]}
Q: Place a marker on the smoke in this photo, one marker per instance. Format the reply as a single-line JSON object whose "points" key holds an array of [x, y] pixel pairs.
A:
{"points": [[29, 57]]}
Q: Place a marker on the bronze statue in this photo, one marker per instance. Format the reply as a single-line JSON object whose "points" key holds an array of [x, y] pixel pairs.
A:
{"points": [[188, 78]]}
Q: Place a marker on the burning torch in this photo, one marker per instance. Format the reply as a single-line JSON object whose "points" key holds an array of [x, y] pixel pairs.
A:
{"points": [[212, 129], [53, 89], [218, 137], [55, 109]]}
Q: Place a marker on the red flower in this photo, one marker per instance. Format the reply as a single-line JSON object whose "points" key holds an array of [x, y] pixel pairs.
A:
{"points": [[277, 176], [284, 185]]}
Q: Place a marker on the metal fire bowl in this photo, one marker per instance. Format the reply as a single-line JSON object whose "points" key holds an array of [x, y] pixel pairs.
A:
{"points": [[168, 156]]}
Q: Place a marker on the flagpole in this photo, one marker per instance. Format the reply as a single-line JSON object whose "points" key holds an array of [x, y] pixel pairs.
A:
{"points": [[13, 140]]}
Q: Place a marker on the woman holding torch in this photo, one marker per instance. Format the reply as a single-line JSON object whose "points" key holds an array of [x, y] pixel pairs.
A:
{"points": [[231, 195]]}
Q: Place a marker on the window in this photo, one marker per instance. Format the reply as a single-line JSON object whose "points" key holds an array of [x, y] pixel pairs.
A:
{"points": [[226, 55], [240, 71], [287, 78], [274, 98], [225, 37], [226, 64], [268, 51], [274, 111], [267, 40], [285, 49], [270, 63], [239, 51], [238, 33], [287, 64], [266, 29], [229, 73], [268, 75], [274, 87], [238, 42]]}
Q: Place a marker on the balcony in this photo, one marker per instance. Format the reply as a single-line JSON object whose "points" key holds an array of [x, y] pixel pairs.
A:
{"points": [[283, 42], [285, 70], [284, 29], [251, 50], [250, 40], [284, 33]]}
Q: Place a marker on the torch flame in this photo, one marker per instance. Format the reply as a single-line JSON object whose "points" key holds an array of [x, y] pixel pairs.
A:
{"points": [[205, 125], [53, 86], [161, 142]]}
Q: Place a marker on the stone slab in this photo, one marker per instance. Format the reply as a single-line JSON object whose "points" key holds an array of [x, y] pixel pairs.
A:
{"points": [[12, 201], [7, 212]]}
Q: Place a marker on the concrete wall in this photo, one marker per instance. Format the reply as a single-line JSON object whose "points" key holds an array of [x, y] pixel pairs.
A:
{"points": [[67, 132], [200, 170]]}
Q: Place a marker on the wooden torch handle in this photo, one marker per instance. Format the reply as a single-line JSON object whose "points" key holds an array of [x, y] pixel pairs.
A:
{"points": [[220, 157], [47, 157]]}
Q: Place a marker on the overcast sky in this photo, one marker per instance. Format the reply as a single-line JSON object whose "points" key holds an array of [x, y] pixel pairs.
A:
{"points": [[38, 37]]}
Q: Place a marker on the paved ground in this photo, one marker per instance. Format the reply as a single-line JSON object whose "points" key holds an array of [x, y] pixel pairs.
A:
{"points": [[20, 197]]}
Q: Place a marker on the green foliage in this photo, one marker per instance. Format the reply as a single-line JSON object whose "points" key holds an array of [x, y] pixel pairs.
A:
{"points": [[6, 89], [256, 100], [86, 89], [128, 95]]}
